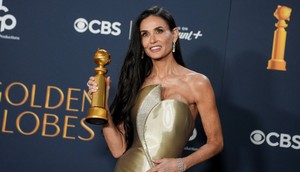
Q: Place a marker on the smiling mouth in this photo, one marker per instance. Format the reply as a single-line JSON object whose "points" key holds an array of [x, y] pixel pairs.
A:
{"points": [[155, 48]]}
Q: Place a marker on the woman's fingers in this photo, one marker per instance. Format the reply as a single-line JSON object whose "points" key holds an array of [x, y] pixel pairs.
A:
{"points": [[93, 86]]}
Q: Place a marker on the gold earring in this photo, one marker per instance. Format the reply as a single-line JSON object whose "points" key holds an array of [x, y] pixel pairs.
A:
{"points": [[173, 50]]}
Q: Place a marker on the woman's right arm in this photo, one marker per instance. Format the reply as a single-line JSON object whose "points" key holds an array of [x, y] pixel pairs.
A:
{"points": [[113, 134]]}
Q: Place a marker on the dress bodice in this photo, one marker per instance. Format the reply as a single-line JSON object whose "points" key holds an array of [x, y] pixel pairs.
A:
{"points": [[161, 130]]}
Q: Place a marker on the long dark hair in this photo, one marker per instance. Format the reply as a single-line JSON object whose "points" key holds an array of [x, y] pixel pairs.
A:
{"points": [[135, 70]]}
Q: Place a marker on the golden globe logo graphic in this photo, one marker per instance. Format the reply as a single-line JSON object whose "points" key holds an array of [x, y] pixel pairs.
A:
{"points": [[97, 27], [8, 21], [275, 139]]}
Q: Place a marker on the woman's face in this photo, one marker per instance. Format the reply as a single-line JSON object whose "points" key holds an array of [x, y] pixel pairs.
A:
{"points": [[157, 38]]}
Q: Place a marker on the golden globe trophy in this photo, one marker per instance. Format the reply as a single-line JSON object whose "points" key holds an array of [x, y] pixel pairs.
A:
{"points": [[277, 61], [97, 113]]}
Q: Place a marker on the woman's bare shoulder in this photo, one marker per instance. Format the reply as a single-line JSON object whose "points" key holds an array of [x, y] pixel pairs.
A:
{"points": [[197, 82], [196, 77]]}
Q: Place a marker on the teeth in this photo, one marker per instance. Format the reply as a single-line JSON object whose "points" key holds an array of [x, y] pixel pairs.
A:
{"points": [[155, 48]]}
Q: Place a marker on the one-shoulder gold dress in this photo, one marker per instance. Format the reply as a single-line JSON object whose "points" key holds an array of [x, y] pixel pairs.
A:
{"points": [[161, 130]]}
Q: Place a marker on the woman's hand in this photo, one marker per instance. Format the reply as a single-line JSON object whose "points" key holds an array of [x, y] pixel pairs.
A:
{"points": [[114, 134], [93, 87], [165, 165]]}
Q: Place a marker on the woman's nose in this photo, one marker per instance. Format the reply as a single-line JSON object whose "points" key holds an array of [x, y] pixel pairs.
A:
{"points": [[152, 38]]}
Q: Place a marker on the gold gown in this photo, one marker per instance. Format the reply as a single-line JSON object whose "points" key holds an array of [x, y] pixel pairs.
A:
{"points": [[161, 130]]}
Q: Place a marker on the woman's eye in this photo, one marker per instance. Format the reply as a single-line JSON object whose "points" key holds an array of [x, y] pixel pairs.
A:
{"points": [[159, 31], [144, 34]]}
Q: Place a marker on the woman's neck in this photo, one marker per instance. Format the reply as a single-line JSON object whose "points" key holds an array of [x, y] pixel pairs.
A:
{"points": [[164, 68]]}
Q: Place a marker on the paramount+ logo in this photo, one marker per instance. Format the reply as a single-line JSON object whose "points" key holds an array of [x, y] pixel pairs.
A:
{"points": [[275, 139], [97, 27]]}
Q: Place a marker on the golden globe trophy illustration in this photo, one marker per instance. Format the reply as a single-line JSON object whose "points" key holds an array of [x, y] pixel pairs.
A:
{"points": [[277, 61], [97, 113]]}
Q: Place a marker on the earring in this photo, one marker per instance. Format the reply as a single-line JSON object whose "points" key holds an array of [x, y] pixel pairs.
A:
{"points": [[173, 50], [142, 56]]}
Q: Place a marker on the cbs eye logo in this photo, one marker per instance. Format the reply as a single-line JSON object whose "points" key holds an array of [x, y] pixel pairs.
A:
{"points": [[97, 27], [275, 139], [257, 137], [8, 21]]}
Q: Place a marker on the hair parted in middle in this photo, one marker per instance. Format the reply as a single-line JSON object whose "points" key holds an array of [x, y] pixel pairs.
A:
{"points": [[135, 69]]}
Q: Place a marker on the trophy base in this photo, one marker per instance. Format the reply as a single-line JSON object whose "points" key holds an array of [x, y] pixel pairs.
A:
{"points": [[276, 65], [97, 116]]}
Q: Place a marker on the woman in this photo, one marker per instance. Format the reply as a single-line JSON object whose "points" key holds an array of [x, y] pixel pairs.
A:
{"points": [[157, 101]]}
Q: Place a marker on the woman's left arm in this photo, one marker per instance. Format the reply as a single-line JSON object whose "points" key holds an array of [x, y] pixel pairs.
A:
{"points": [[206, 105], [204, 98]]}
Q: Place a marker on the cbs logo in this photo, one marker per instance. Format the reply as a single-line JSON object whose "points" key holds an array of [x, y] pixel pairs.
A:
{"points": [[8, 21], [274, 139], [97, 27]]}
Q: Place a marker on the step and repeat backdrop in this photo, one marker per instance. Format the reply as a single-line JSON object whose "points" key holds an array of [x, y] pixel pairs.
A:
{"points": [[46, 58]]}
